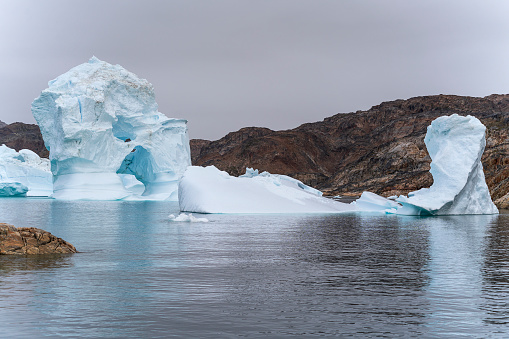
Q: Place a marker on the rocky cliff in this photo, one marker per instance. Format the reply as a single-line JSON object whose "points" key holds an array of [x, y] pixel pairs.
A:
{"points": [[379, 150], [19, 135]]}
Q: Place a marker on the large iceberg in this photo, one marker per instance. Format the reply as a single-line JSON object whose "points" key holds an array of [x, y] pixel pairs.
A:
{"points": [[455, 144], [101, 122], [23, 173], [209, 190]]}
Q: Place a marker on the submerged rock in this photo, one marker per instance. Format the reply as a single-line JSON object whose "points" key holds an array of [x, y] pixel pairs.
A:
{"points": [[99, 120], [30, 240]]}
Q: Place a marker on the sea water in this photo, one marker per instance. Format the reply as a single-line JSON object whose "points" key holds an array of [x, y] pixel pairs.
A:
{"points": [[140, 274]]}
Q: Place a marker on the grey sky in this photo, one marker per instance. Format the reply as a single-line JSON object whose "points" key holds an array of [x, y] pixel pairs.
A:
{"points": [[227, 64]]}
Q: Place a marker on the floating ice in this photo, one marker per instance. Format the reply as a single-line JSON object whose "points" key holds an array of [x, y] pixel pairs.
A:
{"points": [[13, 189], [98, 121], [209, 190], [24, 173], [187, 218], [455, 145]]}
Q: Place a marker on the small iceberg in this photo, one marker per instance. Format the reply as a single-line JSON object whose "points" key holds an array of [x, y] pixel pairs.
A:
{"points": [[182, 217]]}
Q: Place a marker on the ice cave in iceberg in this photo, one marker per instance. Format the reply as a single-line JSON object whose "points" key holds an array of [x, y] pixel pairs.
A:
{"points": [[455, 144], [23, 173], [105, 136], [209, 190]]}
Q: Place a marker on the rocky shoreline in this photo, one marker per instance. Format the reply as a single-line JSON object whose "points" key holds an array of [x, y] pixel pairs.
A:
{"points": [[30, 241]]}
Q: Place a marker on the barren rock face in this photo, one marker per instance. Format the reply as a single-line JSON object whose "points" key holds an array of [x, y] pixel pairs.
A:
{"points": [[30, 240], [380, 150], [19, 136]]}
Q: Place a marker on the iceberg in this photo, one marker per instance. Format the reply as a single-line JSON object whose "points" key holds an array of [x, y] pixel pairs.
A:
{"points": [[182, 217], [101, 123], [455, 144], [13, 189], [209, 190], [24, 173]]}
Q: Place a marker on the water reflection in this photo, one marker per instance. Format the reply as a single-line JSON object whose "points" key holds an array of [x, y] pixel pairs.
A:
{"points": [[16, 263], [454, 290], [140, 275], [495, 273]]}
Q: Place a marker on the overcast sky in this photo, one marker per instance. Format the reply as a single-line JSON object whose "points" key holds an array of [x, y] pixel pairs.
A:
{"points": [[227, 64]]}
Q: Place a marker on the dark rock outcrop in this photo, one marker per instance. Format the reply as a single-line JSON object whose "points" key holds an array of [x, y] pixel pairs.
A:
{"points": [[30, 240], [380, 150], [19, 136]]}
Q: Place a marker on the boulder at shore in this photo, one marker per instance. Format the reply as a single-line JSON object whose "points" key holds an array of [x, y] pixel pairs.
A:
{"points": [[31, 240]]}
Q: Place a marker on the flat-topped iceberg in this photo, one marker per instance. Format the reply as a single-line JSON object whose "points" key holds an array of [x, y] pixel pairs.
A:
{"points": [[455, 145], [24, 173], [209, 190], [99, 121]]}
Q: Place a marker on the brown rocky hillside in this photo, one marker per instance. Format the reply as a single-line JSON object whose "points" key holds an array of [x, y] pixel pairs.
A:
{"points": [[19, 135], [379, 150]]}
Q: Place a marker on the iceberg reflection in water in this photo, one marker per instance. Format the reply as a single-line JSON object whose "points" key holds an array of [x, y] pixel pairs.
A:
{"points": [[140, 274]]}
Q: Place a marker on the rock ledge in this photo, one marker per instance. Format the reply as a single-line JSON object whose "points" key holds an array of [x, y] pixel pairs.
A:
{"points": [[31, 240]]}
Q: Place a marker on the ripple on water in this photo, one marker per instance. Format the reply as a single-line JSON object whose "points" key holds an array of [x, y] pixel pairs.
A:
{"points": [[138, 274]]}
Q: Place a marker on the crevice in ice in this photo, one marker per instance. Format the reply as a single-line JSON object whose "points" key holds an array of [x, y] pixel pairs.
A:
{"points": [[139, 162], [123, 130], [81, 114]]}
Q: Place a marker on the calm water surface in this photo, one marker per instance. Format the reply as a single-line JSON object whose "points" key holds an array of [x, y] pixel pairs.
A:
{"points": [[138, 274]]}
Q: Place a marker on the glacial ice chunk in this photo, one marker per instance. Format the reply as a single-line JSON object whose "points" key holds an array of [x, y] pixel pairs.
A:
{"points": [[12, 189], [182, 217], [101, 122], [209, 190], [24, 173], [455, 144]]}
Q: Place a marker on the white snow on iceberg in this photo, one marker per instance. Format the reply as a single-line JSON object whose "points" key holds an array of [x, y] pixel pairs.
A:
{"points": [[371, 202], [209, 190], [24, 173], [455, 145], [98, 121]]}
